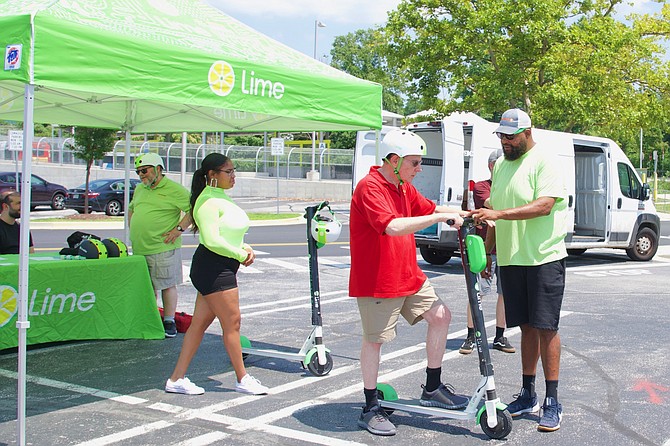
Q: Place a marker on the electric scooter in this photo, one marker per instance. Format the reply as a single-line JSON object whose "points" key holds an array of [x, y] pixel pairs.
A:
{"points": [[313, 355], [493, 416]]}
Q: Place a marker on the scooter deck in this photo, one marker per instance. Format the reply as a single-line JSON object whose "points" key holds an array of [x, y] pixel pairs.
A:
{"points": [[413, 405]]}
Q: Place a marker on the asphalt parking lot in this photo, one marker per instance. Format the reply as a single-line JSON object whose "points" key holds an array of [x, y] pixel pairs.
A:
{"points": [[614, 383]]}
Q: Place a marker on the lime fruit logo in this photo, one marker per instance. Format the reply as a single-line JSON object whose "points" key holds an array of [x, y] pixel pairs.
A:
{"points": [[8, 304], [221, 78]]}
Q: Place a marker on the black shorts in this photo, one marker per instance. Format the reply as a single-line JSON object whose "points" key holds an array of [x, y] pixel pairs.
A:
{"points": [[534, 294], [211, 272]]}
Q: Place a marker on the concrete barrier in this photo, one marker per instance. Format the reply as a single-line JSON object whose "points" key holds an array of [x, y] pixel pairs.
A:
{"points": [[248, 184]]}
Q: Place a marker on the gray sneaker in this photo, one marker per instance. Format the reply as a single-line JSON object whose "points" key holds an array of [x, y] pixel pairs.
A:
{"points": [[376, 421], [443, 397], [170, 329]]}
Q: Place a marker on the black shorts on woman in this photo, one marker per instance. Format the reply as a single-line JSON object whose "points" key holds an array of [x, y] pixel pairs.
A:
{"points": [[211, 273], [534, 294]]}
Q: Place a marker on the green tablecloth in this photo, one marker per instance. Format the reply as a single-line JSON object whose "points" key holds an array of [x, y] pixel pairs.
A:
{"points": [[79, 299]]}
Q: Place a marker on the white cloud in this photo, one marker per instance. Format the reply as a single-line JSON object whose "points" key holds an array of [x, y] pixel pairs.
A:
{"points": [[338, 11]]}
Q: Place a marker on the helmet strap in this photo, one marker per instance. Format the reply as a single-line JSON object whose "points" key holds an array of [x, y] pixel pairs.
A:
{"points": [[157, 178], [396, 170]]}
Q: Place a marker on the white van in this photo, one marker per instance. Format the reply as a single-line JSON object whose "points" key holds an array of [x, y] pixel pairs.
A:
{"points": [[608, 203]]}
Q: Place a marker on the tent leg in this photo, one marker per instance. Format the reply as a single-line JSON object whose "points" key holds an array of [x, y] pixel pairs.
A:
{"points": [[22, 323]]}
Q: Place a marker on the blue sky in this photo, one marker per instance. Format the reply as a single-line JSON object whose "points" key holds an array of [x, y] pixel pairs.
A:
{"points": [[291, 22]]}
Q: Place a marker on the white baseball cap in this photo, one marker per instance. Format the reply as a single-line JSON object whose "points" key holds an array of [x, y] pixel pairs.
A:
{"points": [[512, 121]]}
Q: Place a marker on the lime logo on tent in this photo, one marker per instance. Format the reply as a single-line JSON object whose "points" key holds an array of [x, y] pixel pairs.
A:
{"points": [[221, 78], [8, 304]]}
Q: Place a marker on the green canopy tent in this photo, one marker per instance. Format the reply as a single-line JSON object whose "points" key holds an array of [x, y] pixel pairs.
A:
{"points": [[173, 65], [158, 66]]}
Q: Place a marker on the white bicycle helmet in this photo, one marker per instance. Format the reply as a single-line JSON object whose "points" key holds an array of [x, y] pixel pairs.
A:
{"points": [[325, 228], [149, 159], [403, 143]]}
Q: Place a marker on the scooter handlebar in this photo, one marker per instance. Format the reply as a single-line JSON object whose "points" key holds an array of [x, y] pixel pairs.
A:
{"points": [[466, 221]]}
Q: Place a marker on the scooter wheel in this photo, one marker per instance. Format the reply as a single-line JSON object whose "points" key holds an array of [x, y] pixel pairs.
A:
{"points": [[386, 392], [502, 429], [317, 369]]}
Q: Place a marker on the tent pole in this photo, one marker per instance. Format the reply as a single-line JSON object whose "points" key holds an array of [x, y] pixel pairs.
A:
{"points": [[126, 190], [22, 323], [183, 159]]}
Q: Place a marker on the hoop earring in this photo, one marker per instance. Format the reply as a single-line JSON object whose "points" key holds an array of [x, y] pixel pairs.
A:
{"points": [[213, 182]]}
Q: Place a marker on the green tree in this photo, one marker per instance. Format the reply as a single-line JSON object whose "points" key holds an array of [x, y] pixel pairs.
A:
{"points": [[363, 54], [571, 64], [244, 140], [91, 144], [342, 140]]}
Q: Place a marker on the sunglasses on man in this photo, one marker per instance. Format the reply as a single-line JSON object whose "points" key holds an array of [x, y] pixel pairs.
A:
{"points": [[509, 137]]}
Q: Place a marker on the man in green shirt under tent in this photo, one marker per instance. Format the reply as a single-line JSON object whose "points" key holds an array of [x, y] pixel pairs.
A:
{"points": [[158, 215]]}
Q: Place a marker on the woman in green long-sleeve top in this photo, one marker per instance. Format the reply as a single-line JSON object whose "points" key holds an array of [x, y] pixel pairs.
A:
{"points": [[222, 225]]}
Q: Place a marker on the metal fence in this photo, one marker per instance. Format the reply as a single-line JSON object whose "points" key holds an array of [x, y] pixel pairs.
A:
{"points": [[295, 163]]}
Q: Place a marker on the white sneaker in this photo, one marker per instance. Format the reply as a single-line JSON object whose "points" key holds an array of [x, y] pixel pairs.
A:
{"points": [[183, 385], [251, 385]]}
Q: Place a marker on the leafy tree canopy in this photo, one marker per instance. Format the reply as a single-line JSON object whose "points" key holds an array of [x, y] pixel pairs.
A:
{"points": [[571, 64], [363, 54]]}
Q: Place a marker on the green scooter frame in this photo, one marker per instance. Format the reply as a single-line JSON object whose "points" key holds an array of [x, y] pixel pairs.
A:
{"points": [[493, 416], [313, 354]]}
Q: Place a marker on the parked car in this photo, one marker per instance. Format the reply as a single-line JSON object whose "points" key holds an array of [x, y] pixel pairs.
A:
{"points": [[43, 193], [103, 196]]}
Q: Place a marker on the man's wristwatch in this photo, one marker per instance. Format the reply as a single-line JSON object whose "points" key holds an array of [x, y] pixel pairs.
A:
{"points": [[179, 228]]}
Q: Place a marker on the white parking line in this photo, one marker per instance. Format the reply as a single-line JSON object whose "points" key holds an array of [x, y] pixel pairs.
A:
{"points": [[294, 307], [249, 270], [126, 399], [129, 433], [289, 300], [204, 440], [644, 265], [284, 264]]}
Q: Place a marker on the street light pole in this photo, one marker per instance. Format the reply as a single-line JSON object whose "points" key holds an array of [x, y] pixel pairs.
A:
{"points": [[313, 175]]}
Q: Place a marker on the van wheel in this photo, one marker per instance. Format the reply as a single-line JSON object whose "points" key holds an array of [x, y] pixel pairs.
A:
{"points": [[435, 256], [645, 246], [576, 252]]}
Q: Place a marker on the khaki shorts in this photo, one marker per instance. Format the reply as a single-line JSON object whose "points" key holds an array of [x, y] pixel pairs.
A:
{"points": [[165, 269], [379, 316]]}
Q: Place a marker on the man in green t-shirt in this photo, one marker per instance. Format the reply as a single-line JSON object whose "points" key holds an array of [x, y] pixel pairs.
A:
{"points": [[158, 215], [528, 197]]}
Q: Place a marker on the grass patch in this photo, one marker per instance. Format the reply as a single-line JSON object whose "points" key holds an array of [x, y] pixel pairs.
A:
{"points": [[266, 216], [663, 206]]}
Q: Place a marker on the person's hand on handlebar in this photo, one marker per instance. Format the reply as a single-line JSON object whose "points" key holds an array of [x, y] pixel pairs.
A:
{"points": [[483, 215], [454, 220]]}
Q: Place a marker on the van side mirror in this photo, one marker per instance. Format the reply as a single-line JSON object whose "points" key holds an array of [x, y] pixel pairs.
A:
{"points": [[645, 192]]}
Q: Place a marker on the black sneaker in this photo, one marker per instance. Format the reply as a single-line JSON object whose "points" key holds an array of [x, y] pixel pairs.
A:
{"points": [[503, 345], [376, 421], [170, 329], [467, 347], [524, 403], [443, 397]]}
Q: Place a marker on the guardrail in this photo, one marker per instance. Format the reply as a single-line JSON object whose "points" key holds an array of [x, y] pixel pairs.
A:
{"points": [[294, 164]]}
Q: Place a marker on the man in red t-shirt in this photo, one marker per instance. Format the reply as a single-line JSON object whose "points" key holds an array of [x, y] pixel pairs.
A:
{"points": [[481, 192], [386, 210]]}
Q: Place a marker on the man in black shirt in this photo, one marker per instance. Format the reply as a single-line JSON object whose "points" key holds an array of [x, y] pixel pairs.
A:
{"points": [[10, 201]]}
